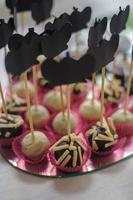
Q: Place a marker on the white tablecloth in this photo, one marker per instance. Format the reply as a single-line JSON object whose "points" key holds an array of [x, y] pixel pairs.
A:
{"points": [[113, 183]]}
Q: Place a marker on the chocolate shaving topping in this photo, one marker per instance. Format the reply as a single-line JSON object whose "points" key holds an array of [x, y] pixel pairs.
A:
{"points": [[69, 151], [101, 138]]}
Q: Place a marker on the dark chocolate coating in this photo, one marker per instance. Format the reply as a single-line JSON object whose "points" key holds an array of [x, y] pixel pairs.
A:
{"points": [[14, 131], [58, 154], [100, 143], [12, 105]]}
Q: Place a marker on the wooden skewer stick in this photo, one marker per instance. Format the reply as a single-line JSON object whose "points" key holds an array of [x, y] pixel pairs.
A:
{"points": [[68, 110], [61, 92], [10, 86], [28, 106], [128, 87], [3, 101], [62, 100], [113, 70], [35, 85], [93, 86], [102, 96]]}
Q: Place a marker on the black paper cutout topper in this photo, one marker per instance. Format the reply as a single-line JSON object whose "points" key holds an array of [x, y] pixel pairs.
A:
{"points": [[23, 52], [104, 53], [96, 32], [68, 70], [22, 5], [57, 23], [54, 42], [41, 10], [79, 20], [6, 30], [118, 22]]}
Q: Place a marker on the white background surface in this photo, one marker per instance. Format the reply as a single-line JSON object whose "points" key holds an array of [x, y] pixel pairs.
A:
{"points": [[113, 183]]}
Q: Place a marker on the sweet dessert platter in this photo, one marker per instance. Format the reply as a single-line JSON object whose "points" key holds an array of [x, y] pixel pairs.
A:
{"points": [[50, 125]]}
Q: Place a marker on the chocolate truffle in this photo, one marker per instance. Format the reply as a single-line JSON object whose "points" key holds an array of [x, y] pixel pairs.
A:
{"points": [[11, 126], [69, 151], [19, 89], [40, 115], [16, 104], [53, 100], [35, 148], [90, 110], [102, 138], [60, 123], [113, 91], [122, 117]]}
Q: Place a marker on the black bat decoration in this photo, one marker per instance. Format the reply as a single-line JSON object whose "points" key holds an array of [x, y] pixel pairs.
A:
{"points": [[22, 5], [96, 32], [56, 42], [41, 10], [118, 22], [79, 20], [23, 52], [57, 23], [68, 70], [104, 53], [6, 30]]}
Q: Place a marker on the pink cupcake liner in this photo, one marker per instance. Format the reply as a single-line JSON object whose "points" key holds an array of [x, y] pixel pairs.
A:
{"points": [[109, 107], [16, 146], [86, 156], [129, 105], [6, 142], [124, 129]]}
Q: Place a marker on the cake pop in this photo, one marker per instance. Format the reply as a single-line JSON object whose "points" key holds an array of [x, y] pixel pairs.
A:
{"points": [[68, 152], [34, 148], [102, 138], [19, 89], [40, 115], [90, 110], [60, 123], [52, 100], [10, 126]]}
